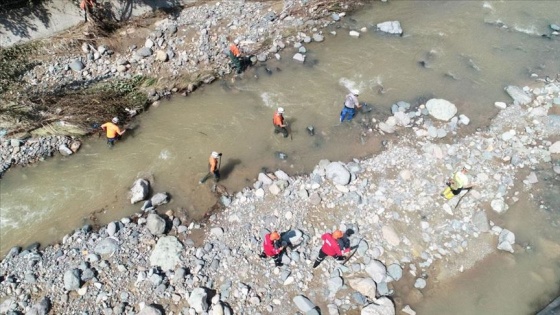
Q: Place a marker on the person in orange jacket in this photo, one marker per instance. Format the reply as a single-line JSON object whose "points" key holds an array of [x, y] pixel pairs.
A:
{"points": [[114, 133], [273, 247], [235, 56], [335, 245], [214, 162], [278, 122]]}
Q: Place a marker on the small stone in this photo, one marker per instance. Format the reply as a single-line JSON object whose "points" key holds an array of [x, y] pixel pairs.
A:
{"points": [[354, 34], [420, 283]]}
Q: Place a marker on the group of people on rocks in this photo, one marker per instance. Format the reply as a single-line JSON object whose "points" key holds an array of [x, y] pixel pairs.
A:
{"points": [[335, 244]]}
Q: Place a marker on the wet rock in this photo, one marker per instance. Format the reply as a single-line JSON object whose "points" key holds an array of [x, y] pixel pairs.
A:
{"points": [[500, 105], [354, 34], [381, 306], [197, 300], [64, 150], [159, 199], [441, 109], [167, 253], [336, 172], [499, 205], [72, 280], [480, 220], [299, 57], [407, 310], [365, 286], [506, 239], [518, 95], [386, 127], [420, 283], [394, 271], [155, 224], [391, 27], [554, 27], [106, 246], [318, 37], [75, 145], [139, 190], [303, 303]]}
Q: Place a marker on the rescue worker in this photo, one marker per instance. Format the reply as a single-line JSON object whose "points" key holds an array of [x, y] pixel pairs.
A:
{"points": [[213, 167], [273, 247], [335, 245], [114, 133], [279, 124], [87, 6], [350, 104], [235, 56], [457, 183]]}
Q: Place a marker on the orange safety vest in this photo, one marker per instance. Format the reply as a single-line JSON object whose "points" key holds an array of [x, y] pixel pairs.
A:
{"points": [[112, 130], [234, 50], [213, 163], [278, 119]]}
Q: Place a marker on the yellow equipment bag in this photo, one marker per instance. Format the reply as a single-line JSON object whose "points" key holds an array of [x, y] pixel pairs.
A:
{"points": [[447, 193]]}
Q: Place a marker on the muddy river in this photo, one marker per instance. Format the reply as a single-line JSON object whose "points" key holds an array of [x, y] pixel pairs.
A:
{"points": [[458, 50]]}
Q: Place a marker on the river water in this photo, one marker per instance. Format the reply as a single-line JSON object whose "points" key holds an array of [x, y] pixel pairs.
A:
{"points": [[457, 50]]}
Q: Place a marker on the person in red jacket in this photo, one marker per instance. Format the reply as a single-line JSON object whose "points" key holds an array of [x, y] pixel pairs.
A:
{"points": [[334, 245], [273, 247]]}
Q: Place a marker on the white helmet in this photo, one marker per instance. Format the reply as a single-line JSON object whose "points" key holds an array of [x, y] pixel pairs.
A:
{"points": [[115, 120], [280, 110], [356, 92], [236, 41], [215, 154]]}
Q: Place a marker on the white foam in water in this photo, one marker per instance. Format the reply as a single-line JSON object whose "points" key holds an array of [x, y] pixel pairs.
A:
{"points": [[268, 100], [164, 155], [527, 30], [487, 5]]}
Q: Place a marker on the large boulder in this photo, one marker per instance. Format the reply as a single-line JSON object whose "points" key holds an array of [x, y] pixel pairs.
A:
{"points": [[441, 109], [197, 300], [139, 190], [391, 27], [376, 270], [555, 148], [167, 253], [336, 172], [155, 224], [518, 95], [381, 306], [365, 286]]}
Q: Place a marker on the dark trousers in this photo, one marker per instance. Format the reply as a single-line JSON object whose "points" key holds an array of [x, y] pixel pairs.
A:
{"points": [[236, 62], [215, 174], [282, 130], [347, 113], [322, 256], [277, 258]]}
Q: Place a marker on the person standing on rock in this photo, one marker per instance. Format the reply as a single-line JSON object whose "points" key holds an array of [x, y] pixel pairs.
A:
{"points": [[114, 133], [273, 247], [350, 104], [334, 245], [235, 56], [457, 183], [214, 162], [278, 122]]}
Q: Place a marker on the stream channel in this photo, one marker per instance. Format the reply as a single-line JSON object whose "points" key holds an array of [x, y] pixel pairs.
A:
{"points": [[456, 50]]}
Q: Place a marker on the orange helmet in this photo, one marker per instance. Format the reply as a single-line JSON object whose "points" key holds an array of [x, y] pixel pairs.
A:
{"points": [[337, 234], [274, 236]]}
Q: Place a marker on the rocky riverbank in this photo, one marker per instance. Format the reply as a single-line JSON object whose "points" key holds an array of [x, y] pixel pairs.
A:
{"points": [[153, 263], [172, 53]]}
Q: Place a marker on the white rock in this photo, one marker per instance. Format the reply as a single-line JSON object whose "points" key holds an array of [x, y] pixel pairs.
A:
{"points": [[365, 286], [499, 205], [376, 270], [354, 34], [303, 303], [299, 57], [420, 283], [464, 119], [500, 105], [381, 306], [391, 27], [167, 253], [518, 95], [139, 190], [338, 173], [386, 127], [555, 148], [441, 109], [390, 235], [264, 179], [197, 300], [407, 310]]}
